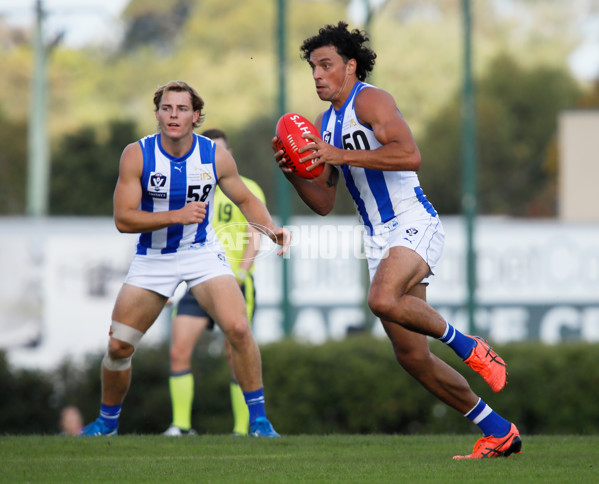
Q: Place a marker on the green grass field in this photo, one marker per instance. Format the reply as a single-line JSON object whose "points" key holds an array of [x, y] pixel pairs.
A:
{"points": [[326, 459]]}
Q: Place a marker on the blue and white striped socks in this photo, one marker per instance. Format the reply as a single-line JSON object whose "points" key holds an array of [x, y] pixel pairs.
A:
{"points": [[458, 342], [490, 422], [110, 414], [255, 402]]}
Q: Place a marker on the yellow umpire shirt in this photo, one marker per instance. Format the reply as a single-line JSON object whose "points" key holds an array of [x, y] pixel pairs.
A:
{"points": [[230, 225]]}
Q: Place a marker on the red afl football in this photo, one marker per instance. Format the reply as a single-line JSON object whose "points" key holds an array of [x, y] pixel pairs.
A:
{"points": [[289, 132]]}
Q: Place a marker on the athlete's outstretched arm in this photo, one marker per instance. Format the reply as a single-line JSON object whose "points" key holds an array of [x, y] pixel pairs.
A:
{"points": [[128, 217], [250, 205]]}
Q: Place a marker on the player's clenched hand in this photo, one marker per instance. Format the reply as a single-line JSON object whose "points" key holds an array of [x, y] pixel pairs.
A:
{"points": [[320, 151], [192, 213], [279, 157]]}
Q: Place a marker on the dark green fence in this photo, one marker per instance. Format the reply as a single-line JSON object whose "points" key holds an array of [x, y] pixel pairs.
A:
{"points": [[352, 386]]}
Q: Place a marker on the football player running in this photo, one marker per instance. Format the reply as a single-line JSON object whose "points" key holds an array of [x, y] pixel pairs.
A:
{"points": [[366, 141]]}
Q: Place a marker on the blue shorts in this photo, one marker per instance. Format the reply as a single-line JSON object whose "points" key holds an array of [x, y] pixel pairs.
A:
{"points": [[189, 306]]}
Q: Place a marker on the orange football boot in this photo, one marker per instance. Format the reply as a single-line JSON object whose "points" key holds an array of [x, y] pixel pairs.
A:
{"points": [[490, 446], [488, 364]]}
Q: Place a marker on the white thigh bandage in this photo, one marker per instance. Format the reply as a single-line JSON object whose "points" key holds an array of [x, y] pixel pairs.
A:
{"points": [[126, 334]]}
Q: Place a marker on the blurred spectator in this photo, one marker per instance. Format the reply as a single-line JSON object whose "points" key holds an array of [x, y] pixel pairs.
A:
{"points": [[71, 421]]}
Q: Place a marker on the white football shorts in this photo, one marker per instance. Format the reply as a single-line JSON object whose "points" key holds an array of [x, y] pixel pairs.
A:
{"points": [[415, 229], [162, 273]]}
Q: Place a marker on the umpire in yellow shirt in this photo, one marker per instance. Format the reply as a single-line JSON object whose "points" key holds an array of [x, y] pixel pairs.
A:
{"points": [[241, 243]]}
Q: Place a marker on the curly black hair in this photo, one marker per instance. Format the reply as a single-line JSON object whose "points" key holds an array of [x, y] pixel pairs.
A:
{"points": [[348, 45]]}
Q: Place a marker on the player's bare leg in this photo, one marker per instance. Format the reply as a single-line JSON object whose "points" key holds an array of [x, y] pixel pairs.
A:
{"points": [[413, 354], [391, 299], [137, 308], [135, 311], [186, 332], [399, 299], [115, 385], [241, 416], [222, 298]]}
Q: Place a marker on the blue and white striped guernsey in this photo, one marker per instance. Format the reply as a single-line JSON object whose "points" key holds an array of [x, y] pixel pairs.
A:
{"points": [[377, 194], [168, 183]]}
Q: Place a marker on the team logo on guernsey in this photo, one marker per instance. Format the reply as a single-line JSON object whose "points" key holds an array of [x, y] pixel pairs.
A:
{"points": [[199, 174], [411, 231], [157, 188], [327, 137], [349, 123]]}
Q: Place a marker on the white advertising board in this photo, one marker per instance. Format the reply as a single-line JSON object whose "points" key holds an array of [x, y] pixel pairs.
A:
{"points": [[537, 280]]}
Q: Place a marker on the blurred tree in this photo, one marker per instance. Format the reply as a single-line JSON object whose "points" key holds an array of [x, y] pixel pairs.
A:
{"points": [[226, 49], [254, 158], [24, 398], [13, 166], [517, 112], [85, 170], [154, 23]]}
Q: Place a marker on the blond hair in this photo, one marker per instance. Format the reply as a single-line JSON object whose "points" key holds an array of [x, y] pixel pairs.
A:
{"points": [[197, 102]]}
